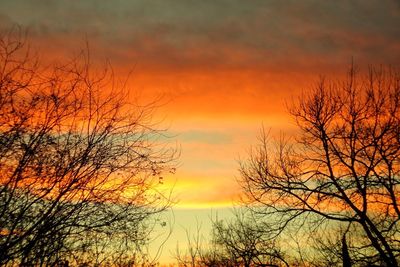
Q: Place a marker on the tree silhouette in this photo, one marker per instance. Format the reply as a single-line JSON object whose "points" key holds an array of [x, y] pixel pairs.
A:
{"points": [[242, 241], [78, 163], [246, 242], [342, 169]]}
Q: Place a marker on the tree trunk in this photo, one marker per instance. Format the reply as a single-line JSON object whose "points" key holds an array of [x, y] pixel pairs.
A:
{"points": [[345, 253]]}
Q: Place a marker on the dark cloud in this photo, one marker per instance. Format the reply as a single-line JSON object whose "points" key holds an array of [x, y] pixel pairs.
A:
{"points": [[221, 34]]}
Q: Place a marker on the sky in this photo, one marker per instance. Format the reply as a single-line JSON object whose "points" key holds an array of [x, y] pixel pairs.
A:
{"points": [[221, 69]]}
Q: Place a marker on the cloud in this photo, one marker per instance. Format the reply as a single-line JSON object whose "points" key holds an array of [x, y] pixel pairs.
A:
{"points": [[205, 137], [181, 35]]}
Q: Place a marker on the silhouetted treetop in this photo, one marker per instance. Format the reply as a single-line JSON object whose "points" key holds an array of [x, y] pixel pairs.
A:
{"points": [[78, 163], [343, 167]]}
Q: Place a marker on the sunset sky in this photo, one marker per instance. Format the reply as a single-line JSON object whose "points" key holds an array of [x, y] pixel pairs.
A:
{"points": [[221, 69]]}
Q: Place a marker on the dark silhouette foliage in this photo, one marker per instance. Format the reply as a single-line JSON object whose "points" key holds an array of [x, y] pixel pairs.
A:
{"points": [[341, 171], [78, 164], [241, 241]]}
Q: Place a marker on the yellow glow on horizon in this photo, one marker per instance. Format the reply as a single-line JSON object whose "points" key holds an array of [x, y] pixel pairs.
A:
{"points": [[197, 191], [203, 205]]}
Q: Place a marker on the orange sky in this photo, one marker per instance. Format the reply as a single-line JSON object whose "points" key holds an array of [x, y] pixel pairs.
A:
{"points": [[221, 68]]}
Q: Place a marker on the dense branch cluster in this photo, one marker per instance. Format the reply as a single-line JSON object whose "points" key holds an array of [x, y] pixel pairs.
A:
{"points": [[343, 169], [78, 163], [239, 242]]}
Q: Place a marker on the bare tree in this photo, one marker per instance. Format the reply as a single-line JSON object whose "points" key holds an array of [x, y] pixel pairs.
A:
{"points": [[192, 256], [341, 169], [239, 242], [247, 242], [79, 164]]}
